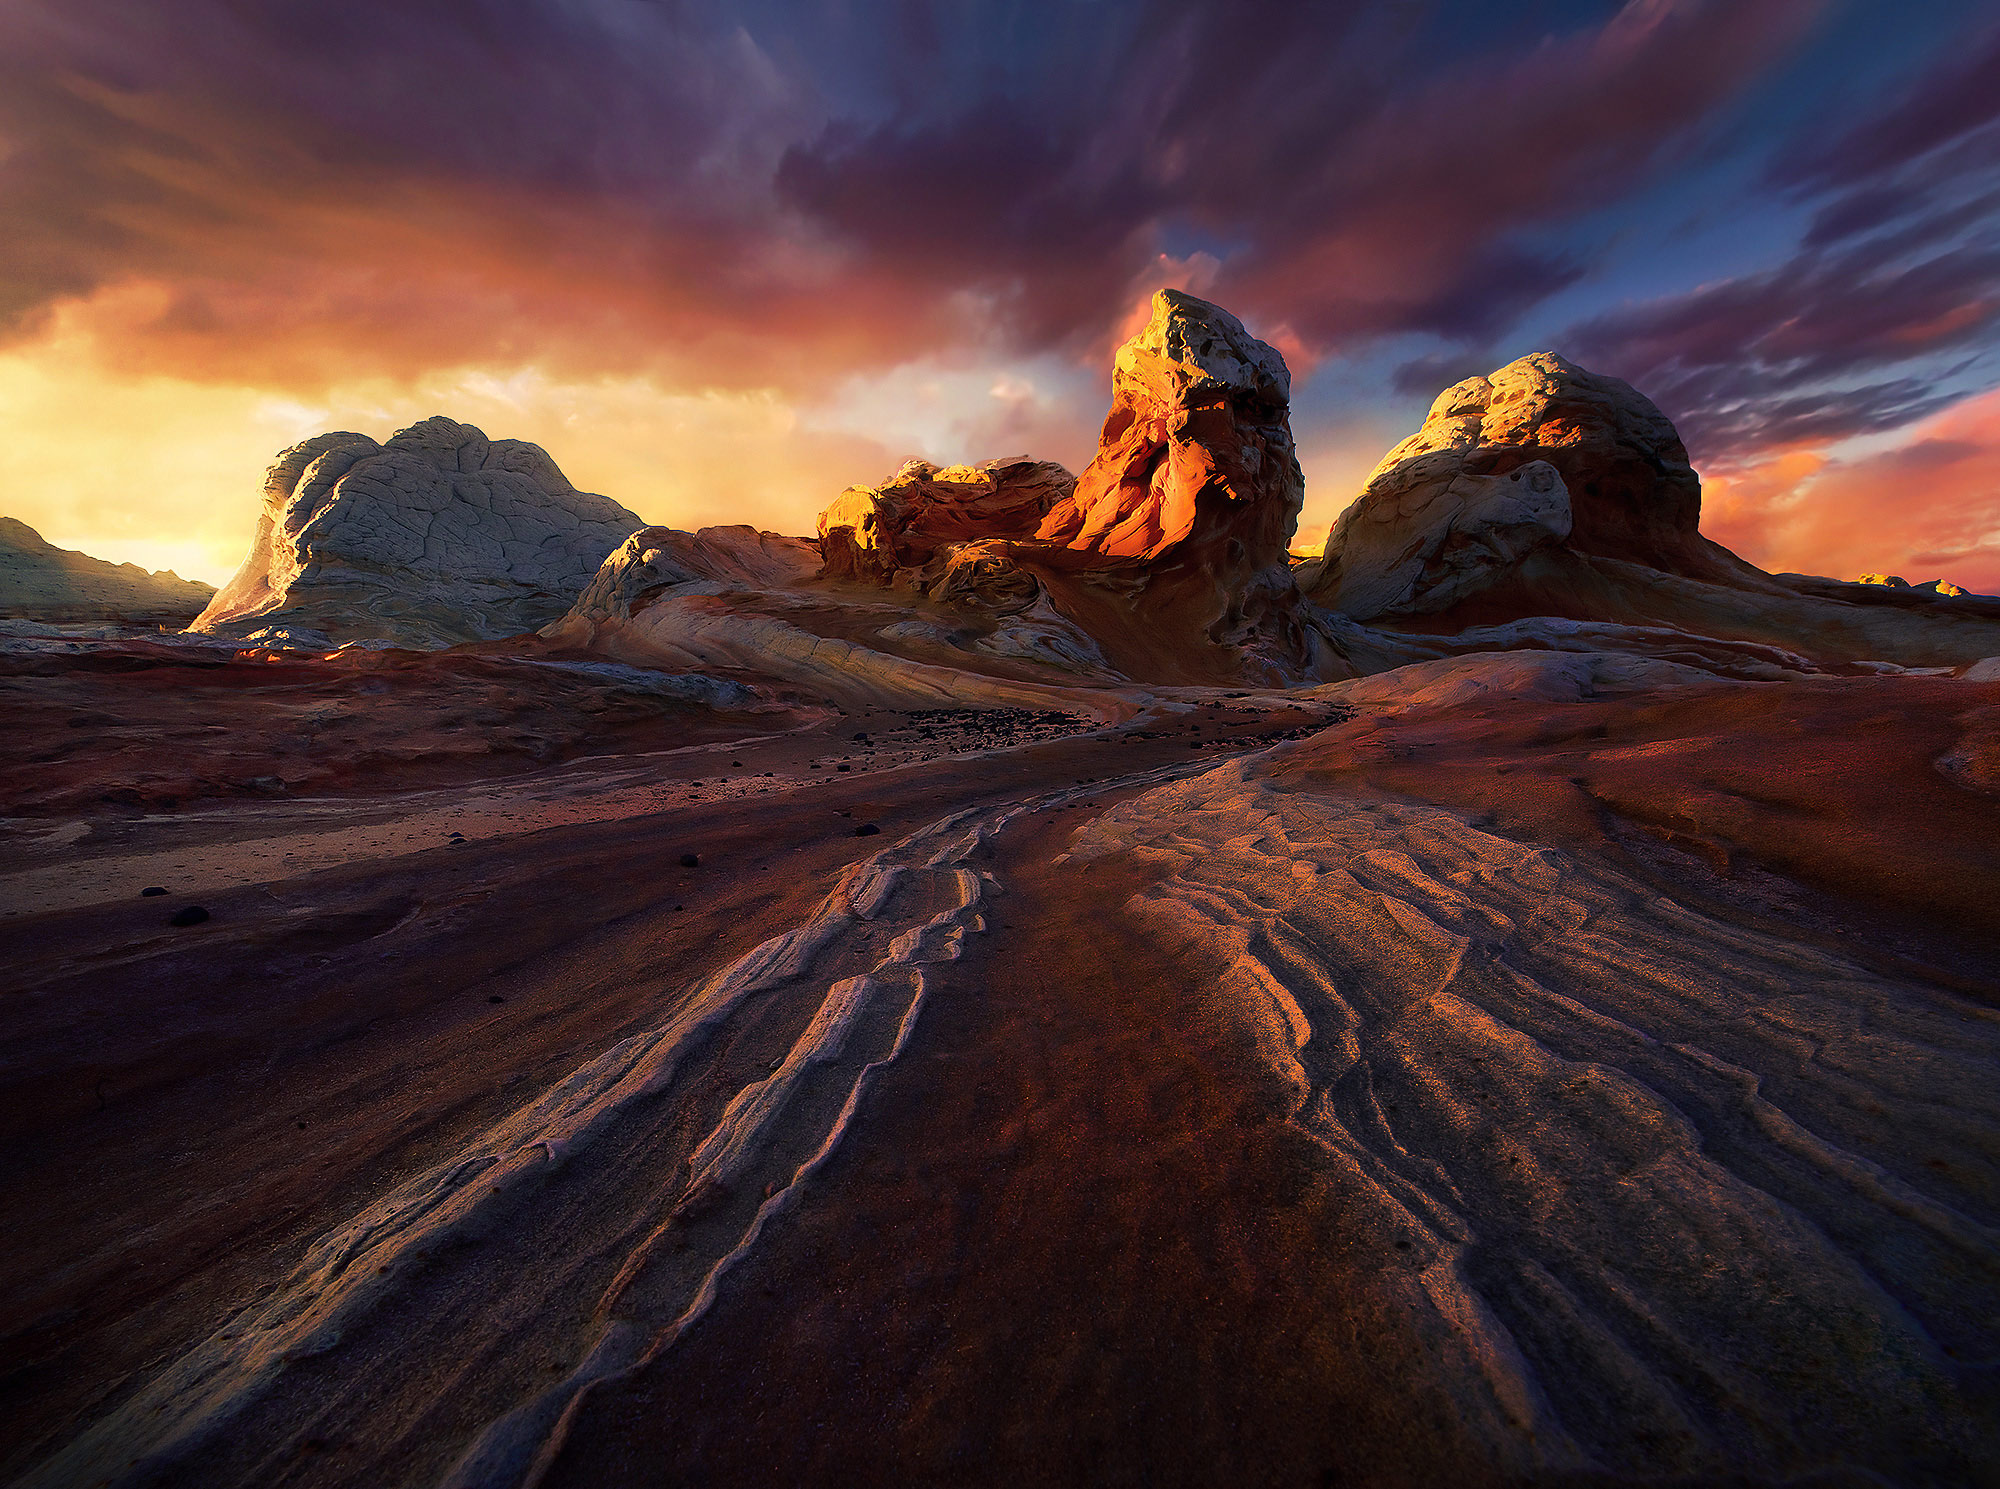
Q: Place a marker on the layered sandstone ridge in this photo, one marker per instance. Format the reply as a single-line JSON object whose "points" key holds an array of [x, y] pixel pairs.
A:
{"points": [[437, 537], [1197, 449], [41, 582]]}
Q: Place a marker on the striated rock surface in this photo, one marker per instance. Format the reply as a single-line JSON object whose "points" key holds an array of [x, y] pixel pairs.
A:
{"points": [[1427, 545], [437, 537], [918, 514], [1182, 520], [655, 560], [41, 582]]}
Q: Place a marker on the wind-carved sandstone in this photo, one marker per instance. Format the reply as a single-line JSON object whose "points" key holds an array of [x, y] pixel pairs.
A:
{"points": [[922, 512], [1541, 453], [1171, 546], [1196, 458], [41, 582], [437, 537]]}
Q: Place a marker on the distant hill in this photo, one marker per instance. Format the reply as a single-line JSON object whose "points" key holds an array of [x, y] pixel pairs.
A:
{"points": [[39, 581]]}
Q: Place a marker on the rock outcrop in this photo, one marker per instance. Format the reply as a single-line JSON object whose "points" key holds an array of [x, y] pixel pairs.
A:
{"points": [[655, 561], [437, 537], [41, 582], [1196, 457], [1434, 521], [924, 511], [1546, 495]]}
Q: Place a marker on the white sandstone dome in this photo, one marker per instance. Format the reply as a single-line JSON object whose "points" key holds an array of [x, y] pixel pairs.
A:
{"points": [[437, 537]]}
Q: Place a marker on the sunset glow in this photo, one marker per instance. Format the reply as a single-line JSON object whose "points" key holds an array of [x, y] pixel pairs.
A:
{"points": [[723, 270]]}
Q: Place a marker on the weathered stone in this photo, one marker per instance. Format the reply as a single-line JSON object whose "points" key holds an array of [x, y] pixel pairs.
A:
{"points": [[1423, 545], [438, 536], [1196, 457], [658, 560], [873, 532], [1632, 494]]}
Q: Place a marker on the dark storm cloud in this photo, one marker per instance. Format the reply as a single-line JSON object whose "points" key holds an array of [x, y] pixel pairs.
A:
{"points": [[766, 193], [1897, 273]]}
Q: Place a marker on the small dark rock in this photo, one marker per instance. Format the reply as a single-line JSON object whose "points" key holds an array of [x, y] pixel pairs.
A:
{"points": [[690, 860], [150, 891], [495, 998], [191, 915], [866, 830], [840, 767]]}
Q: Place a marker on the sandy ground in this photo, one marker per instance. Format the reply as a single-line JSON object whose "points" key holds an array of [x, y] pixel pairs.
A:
{"points": [[1173, 1103]]}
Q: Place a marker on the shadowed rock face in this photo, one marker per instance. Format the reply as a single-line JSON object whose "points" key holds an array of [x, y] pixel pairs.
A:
{"points": [[872, 532], [39, 581], [438, 537]]}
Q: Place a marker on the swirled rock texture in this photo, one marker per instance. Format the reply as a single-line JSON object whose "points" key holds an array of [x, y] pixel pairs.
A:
{"points": [[924, 510], [1633, 494], [437, 537], [41, 582]]}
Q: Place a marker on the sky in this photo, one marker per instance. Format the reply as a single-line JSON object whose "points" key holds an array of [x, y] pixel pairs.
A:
{"points": [[724, 260]]}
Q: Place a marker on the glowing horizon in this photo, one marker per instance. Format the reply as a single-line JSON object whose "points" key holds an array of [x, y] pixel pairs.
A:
{"points": [[721, 272]]}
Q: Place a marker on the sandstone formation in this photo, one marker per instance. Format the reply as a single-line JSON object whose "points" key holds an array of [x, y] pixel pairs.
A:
{"points": [[923, 511], [1193, 497], [1545, 495], [655, 560], [738, 599], [41, 582], [437, 537], [1196, 453], [1940, 587], [1431, 524]]}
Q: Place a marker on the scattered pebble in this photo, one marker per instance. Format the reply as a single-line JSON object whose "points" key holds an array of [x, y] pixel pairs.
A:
{"points": [[151, 890], [866, 830], [690, 861], [191, 915]]}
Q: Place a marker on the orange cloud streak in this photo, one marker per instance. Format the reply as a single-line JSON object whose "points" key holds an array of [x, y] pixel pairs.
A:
{"points": [[1929, 508]]}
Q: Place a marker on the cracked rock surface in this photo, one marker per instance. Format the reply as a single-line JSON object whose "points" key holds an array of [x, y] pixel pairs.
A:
{"points": [[437, 537]]}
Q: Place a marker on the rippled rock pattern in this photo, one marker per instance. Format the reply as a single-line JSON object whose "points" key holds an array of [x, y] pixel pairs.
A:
{"points": [[1675, 1196], [438, 537]]}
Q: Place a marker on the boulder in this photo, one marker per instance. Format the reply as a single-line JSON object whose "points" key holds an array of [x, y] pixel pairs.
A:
{"points": [[1424, 545], [44, 583], [438, 536], [656, 561]]}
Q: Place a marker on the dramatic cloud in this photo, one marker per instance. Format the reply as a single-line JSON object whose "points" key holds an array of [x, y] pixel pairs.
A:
{"points": [[738, 257], [1882, 312], [311, 192]]}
